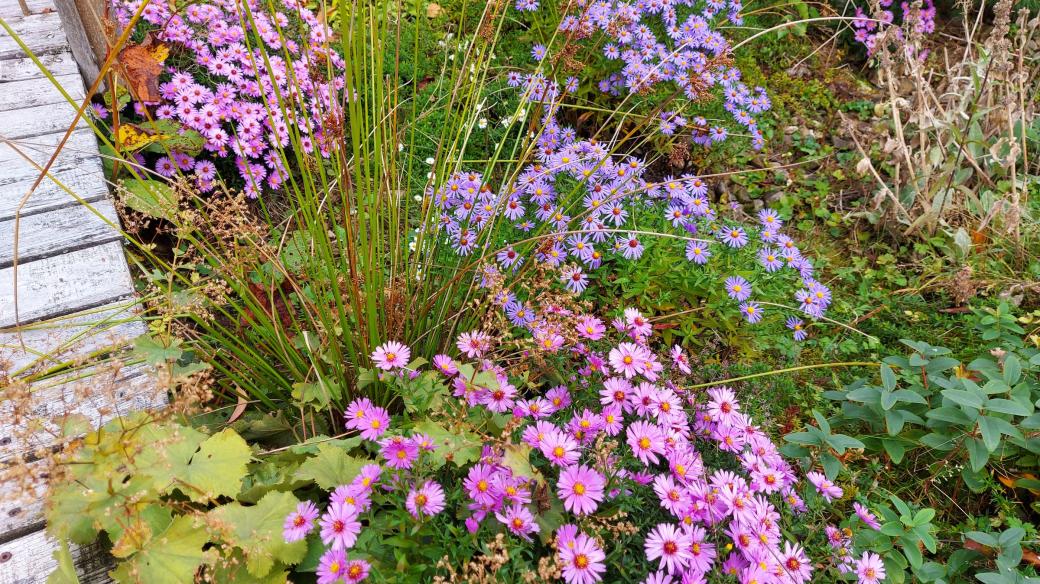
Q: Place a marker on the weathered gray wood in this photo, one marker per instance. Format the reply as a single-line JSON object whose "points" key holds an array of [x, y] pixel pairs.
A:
{"points": [[46, 344], [79, 148], [42, 33], [40, 91], [24, 68], [37, 121], [84, 181], [47, 234], [64, 284], [13, 9], [98, 394], [30, 559], [77, 37]]}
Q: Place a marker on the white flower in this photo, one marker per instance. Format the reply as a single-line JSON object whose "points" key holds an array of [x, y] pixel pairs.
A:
{"points": [[429, 161], [482, 123]]}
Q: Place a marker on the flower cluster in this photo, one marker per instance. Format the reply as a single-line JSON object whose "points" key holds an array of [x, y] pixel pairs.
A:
{"points": [[254, 74], [916, 17], [625, 427], [692, 58], [577, 203]]}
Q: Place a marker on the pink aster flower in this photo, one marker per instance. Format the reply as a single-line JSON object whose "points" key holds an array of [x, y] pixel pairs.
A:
{"points": [[591, 328], [426, 501], [353, 495], [582, 561], [723, 405], [637, 323], [795, 564], [518, 520], [332, 566], [646, 440], [474, 344], [357, 570], [391, 355], [560, 448], [374, 424], [340, 526], [300, 522], [445, 365], [829, 490], [399, 452], [367, 478], [870, 569], [866, 516], [679, 359], [581, 489], [480, 484], [627, 359], [670, 546]]}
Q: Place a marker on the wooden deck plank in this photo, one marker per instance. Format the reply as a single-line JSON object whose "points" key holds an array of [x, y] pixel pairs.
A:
{"points": [[79, 149], [46, 344], [30, 559], [42, 33], [24, 68], [85, 181], [13, 9], [47, 234], [65, 284], [39, 120], [40, 91]]}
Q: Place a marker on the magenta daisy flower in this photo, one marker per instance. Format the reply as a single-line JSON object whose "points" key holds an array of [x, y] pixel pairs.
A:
{"points": [[445, 365], [391, 355], [646, 440], [399, 452], [374, 424], [357, 570], [627, 359], [670, 546], [300, 522], [340, 526], [581, 489], [519, 520], [426, 501], [582, 560], [870, 569], [332, 566], [866, 516], [824, 486], [560, 448], [474, 344]]}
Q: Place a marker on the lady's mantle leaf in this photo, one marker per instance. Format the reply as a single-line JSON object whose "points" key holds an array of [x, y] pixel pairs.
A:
{"points": [[331, 467], [257, 530], [171, 557]]}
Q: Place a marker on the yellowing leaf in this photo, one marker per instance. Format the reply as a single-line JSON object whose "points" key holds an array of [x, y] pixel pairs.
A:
{"points": [[218, 468], [257, 531], [170, 557], [151, 197], [331, 467]]}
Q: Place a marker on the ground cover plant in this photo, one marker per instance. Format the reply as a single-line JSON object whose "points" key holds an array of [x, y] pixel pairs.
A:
{"points": [[663, 291]]}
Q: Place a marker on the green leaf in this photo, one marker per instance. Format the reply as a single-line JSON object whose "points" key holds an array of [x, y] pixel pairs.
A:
{"points": [[986, 539], [888, 377], [964, 398], [257, 531], [990, 433], [169, 557], [460, 447], [65, 573], [331, 468], [1012, 369], [172, 136], [150, 197], [978, 454], [218, 468], [1007, 406], [895, 449], [924, 516]]}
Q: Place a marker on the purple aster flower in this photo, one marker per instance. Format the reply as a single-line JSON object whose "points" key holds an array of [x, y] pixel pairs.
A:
{"points": [[581, 489], [299, 523], [391, 355], [425, 501], [738, 288]]}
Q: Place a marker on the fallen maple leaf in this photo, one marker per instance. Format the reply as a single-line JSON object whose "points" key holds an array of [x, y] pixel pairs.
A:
{"points": [[141, 65]]}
